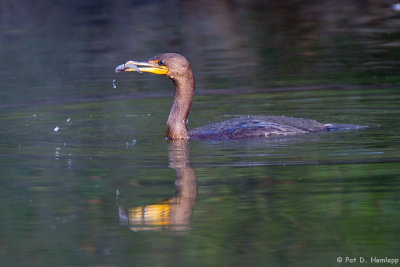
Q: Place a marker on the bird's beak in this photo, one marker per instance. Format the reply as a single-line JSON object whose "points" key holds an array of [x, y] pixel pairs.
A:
{"points": [[140, 67]]}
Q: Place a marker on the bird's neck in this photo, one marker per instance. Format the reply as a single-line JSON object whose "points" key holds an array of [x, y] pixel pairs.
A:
{"points": [[183, 97]]}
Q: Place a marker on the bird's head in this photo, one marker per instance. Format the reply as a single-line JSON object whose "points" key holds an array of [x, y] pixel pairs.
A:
{"points": [[170, 64]]}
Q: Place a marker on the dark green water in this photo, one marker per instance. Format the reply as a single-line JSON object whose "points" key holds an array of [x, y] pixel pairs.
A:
{"points": [[78, 157]]}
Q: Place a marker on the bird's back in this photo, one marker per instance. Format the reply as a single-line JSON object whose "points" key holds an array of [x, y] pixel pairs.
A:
{"points": [[257, 126]]}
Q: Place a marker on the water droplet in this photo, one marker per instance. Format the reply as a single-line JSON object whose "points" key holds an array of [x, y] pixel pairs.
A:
{"points": [[128, 144], [57, 153]]}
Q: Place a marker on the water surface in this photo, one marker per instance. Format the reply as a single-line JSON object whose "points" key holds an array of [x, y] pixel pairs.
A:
{"points": [[106, 188]]}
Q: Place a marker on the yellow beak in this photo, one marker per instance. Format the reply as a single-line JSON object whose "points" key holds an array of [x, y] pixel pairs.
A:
{"points": [[141, 67]]}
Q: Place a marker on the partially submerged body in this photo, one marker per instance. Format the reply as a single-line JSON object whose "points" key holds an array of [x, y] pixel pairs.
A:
{"points": [[177, 68], [265, 126]]}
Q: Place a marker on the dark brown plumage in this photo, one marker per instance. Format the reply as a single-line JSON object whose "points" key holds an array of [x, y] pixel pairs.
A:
{"points": [[177, 68]]}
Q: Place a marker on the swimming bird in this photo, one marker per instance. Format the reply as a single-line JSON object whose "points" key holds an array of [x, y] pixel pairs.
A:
{"points": [[177, 68]]}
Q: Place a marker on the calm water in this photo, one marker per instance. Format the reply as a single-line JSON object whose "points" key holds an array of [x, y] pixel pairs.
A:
{"points": [[87, 178]]}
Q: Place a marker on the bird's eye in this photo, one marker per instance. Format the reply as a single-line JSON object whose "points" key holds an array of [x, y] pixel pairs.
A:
{"points": [[161, 63]]}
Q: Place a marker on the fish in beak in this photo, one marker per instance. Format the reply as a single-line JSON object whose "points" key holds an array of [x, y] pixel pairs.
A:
{"points": [[152, 66]]}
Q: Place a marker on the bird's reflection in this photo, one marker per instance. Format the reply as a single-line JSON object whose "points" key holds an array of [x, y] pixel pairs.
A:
{"points": [[173, 213]]}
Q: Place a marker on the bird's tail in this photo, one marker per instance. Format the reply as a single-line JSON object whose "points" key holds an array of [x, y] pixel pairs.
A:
{"points": [[343, 127]]}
